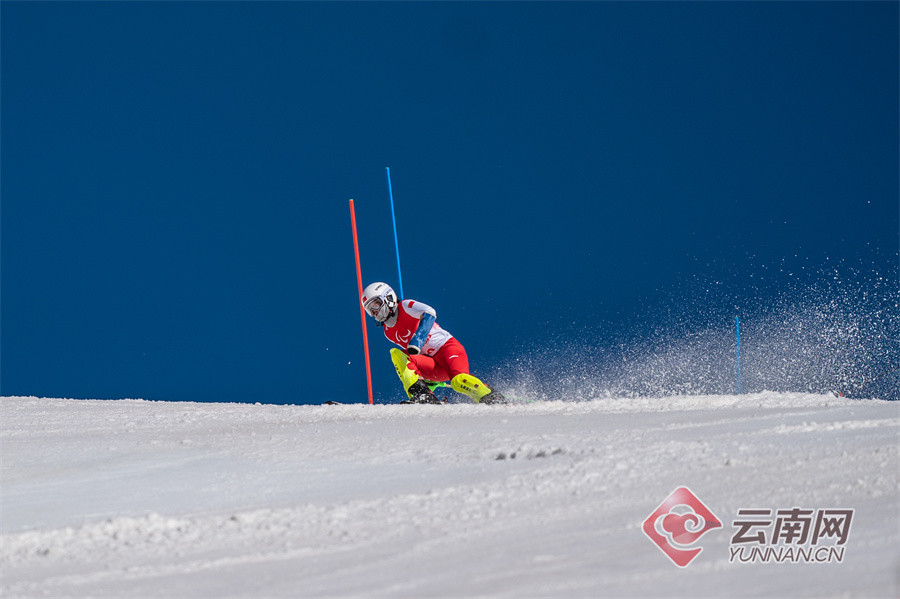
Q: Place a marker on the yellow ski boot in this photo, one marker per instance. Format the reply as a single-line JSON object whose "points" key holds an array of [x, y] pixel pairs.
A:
{"points": [[473, 388], [415, 387]]}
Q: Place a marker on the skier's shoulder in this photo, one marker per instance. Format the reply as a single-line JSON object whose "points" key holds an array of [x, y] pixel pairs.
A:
{"points": [[416, 308]]}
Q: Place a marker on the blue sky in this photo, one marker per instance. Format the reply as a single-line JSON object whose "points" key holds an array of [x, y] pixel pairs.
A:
{"points": [[175, 179]]}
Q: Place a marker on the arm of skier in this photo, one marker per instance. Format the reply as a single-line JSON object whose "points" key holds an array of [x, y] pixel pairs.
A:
{"points": [[426, 321]]}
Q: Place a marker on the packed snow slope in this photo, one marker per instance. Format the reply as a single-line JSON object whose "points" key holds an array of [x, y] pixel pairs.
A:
{"points": [[545, 499]]}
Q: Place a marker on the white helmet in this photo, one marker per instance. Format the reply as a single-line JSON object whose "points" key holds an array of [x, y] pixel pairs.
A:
{"points": [[379, 301]]}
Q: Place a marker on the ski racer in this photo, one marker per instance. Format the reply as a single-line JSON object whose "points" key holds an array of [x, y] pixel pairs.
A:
{"points": [[431, 353]]}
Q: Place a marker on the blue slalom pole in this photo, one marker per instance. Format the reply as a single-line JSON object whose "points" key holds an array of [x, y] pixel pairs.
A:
{"points": [[387, 169], [737, 336]]}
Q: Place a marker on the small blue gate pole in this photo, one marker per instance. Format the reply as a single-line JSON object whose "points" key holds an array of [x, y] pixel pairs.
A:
{"points": [[737, 336], [387, 169]]}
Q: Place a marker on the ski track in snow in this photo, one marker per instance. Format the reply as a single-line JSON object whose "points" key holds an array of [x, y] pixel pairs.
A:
{"points": [[133, 498]]}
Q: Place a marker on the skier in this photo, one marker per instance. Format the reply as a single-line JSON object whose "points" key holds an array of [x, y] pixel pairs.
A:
{"points": [[432, 354]]}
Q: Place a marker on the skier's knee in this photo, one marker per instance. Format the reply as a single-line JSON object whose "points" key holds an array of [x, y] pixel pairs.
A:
{"points": [[408, 376], [397, 356]]}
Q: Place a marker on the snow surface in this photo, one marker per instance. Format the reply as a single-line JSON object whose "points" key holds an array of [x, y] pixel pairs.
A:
{"points": [[133, 498]]}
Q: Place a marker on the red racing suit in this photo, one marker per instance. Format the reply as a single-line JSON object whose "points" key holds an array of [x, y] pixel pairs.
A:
{"points": [[442, 357]]}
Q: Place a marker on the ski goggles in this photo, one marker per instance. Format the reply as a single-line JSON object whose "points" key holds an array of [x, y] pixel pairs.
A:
{"points": [[377, 309]]}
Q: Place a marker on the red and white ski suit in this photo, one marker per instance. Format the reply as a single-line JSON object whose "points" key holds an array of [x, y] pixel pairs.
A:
{"points": [[442, 357]]}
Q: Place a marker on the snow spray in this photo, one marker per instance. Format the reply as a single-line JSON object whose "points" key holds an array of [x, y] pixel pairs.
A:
{"points": [[737, 339], [836, 331]]}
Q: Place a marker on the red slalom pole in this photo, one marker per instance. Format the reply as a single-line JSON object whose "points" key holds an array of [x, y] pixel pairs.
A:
{"points": [[362, 310]]}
